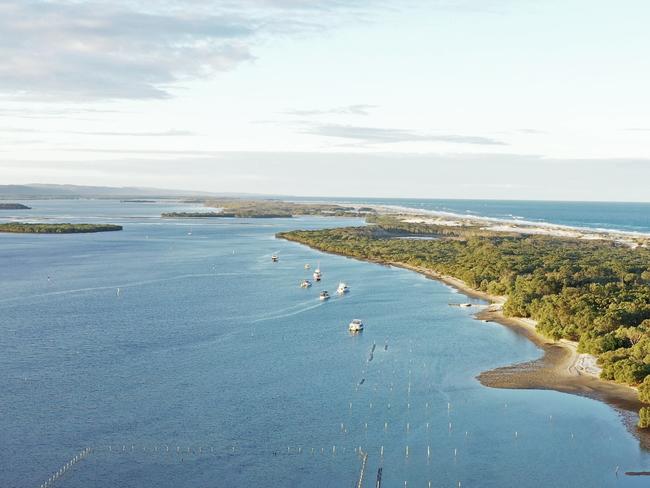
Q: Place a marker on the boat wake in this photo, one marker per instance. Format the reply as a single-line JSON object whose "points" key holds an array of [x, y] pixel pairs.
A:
{"points": [[275, 315]]}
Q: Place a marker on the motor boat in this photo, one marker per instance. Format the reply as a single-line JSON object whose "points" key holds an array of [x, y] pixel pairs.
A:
{"points": [[342, 289], [355, 326]]}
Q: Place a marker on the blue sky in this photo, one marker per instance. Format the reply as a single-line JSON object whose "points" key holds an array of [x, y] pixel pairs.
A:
{"points": [[444, 99]]}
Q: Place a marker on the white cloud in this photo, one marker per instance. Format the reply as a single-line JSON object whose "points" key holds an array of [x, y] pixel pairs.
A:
{"points": [[376, 135], [90, 51], [94, 50], [355, 109]]}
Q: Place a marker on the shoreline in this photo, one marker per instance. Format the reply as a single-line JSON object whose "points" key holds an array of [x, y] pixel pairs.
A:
{"points": [[632, 239], [557, 369], [441, 217]]}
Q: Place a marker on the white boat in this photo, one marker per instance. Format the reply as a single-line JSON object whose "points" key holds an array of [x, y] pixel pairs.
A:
{"points": [[305, 284], [275, 258], [307, 266], [324, 295], [317, 275], [355, 326], [342, 289]]}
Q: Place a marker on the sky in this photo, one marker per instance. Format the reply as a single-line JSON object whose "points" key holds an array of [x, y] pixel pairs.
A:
{"points": [[511, 99]]}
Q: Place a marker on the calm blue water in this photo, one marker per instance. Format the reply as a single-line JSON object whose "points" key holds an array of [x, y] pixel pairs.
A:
{"points": [[634, 217], [249, 380]]}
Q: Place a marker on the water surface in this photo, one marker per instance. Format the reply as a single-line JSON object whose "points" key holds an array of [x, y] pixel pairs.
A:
{"points": [[211, 368]]}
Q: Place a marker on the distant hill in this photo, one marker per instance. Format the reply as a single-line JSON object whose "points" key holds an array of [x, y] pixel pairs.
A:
{"points": [[13, 206], [43, 191]]}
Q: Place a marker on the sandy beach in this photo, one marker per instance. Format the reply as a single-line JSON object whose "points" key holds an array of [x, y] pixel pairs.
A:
{"points": [[447, 219], [561, 368]]}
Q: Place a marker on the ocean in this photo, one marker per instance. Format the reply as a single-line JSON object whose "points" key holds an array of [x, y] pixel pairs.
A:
{"points": [[180, 355], [628, 217]]}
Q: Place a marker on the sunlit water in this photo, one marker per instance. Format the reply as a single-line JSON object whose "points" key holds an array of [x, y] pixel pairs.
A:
{"points": [[212, 368]]}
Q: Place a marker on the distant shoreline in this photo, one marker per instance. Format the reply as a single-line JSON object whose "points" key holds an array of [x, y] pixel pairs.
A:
{"points": [[625, 237], [14, 206]]}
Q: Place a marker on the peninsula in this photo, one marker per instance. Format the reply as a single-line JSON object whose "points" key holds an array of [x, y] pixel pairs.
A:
{"points": [[581, 300], [28, 228]]}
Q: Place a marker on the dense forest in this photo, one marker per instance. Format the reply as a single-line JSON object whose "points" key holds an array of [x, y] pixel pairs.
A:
{"points": [[23, 228], [593, 292]]}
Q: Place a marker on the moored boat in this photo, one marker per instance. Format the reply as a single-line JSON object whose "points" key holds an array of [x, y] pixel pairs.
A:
{"points": [[355, 326]]}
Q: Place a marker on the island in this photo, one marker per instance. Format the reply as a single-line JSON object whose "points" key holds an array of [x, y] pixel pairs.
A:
{"points": [[259, 209], [14, 206], [582, 296], [30, 228], [196, 215]]}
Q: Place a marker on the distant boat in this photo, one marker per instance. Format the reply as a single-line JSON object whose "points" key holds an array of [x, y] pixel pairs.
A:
{"points": [[324, 295], [305, 284], [275, 258], [317, 274], [307, 266], [355, 326], [342, 289]]}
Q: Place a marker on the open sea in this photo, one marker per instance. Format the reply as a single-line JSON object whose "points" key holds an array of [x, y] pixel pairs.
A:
{"points": [[622, 216], [176, 354]]}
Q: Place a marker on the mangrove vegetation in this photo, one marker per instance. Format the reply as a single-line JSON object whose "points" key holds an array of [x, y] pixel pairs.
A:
{"points": [[25, 228]]}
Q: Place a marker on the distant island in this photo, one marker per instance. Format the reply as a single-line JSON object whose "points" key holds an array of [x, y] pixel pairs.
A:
{"points": [[14, 206], [584, 298], [25, 228], [267, 209], [196, 215], [137, 201]]}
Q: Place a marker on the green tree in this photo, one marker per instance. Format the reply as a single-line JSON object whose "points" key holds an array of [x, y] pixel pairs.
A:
{"points": [[644, 418]]}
